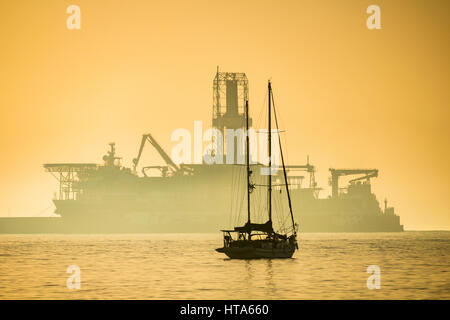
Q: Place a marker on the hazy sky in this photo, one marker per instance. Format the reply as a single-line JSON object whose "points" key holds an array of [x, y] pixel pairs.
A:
{"points": [[348, 96]]}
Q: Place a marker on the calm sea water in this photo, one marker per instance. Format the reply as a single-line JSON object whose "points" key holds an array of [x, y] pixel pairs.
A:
{"points": [[414, 265]]}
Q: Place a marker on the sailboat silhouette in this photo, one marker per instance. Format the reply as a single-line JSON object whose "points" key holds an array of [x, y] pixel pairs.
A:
{"points": [[259, 240]]}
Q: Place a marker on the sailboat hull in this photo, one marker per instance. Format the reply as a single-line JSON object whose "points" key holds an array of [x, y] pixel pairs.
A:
{"points": [[257, 253]]}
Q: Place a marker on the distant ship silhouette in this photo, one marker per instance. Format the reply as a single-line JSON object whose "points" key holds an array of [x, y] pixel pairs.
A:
{"points": [[110, 198]]}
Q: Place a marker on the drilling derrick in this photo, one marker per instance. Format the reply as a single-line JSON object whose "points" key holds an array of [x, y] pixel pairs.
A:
{"points": [[230, 92]]}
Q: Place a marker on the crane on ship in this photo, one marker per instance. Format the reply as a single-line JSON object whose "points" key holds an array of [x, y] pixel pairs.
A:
{"points": [[172, 166], [308, 168], [336, 173]]}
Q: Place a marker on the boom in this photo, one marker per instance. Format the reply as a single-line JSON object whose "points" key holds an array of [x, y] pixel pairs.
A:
{"points": [[148, 137], [336, 173]]}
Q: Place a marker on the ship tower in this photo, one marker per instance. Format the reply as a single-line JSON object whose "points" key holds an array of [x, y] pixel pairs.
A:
{"points": [[230, 93]]}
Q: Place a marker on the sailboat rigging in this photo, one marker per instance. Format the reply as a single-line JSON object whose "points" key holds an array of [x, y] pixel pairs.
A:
{"points": [[256, 240]]}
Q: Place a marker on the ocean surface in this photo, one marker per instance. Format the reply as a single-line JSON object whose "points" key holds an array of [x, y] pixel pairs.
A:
{"points": [[413, 265]]}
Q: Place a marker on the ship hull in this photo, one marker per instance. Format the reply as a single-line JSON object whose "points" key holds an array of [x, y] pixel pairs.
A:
{"points": [[200, 203], [86, 218], [148, 222]]}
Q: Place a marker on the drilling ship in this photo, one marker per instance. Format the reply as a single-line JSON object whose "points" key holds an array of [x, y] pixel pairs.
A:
{"points": [[111, 198]]}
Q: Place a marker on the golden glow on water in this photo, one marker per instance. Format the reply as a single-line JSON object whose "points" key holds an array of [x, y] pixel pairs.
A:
{"points": [[414, 265], [350, 97]]}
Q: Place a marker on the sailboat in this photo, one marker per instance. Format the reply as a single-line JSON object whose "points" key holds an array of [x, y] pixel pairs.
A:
{"points": [[259, 240]]}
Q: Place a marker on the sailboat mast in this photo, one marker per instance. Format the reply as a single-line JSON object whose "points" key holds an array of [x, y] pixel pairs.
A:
{"points": [[269, 195], [247, 159]]}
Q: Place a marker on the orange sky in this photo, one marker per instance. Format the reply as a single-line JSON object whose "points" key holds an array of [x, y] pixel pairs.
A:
{"points": [[348, 96]]}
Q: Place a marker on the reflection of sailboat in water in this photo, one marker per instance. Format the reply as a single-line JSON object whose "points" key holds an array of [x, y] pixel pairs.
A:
{"points": [[259, 240], [259, 274]]}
